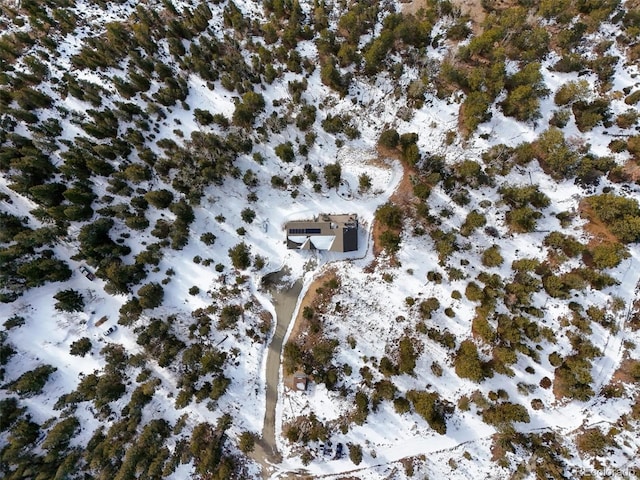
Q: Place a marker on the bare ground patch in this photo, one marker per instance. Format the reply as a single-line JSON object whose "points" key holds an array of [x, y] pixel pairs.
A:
{"points": [[595, 227], [633, 321], [626, 372], [412, 6], [472, 8], [312, 299], [632, 169], [316, 297], [402, 196]]}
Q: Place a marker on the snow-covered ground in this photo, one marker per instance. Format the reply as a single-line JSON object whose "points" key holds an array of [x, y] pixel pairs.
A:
{"points": [[374, 309]]}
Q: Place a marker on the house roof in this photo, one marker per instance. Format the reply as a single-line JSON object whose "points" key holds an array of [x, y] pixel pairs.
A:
{"points": [[301, 239], [322, 242], [337, 233]]}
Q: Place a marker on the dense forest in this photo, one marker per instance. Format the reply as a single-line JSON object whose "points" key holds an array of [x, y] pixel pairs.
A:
{"points": [[149, 143]]}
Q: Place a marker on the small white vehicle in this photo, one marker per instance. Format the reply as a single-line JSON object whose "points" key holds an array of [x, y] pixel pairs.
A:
{"points": [[85, 271], [109, 330]]}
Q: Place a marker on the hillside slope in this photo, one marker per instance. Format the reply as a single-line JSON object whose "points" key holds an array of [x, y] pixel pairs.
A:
{"points": [[151, 154]]}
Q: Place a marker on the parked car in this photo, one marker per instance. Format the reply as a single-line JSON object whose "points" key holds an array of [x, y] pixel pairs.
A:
{"points": [[109, 330], [326, 449], [339, 451], [85, 271]]}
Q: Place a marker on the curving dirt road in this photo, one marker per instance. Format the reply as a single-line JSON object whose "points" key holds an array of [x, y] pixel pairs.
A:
{"points": [[285, 298]]}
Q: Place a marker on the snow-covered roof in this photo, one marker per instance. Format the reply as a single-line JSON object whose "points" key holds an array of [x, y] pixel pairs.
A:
{"points": [[322, 242], [301, 239]]}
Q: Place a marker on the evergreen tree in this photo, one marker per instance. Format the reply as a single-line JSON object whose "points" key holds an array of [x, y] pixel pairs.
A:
{"points": [[467, 362], [69, 301], [151, 295], [240, 256]]}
